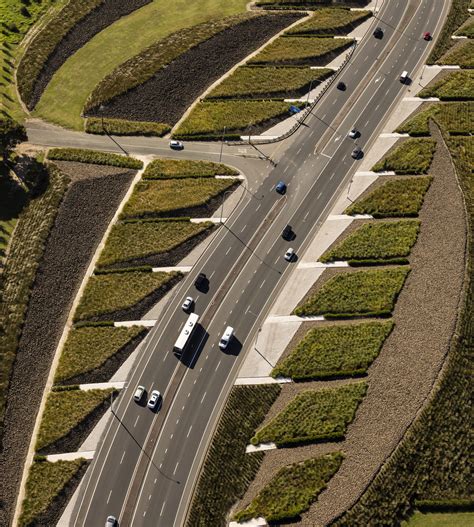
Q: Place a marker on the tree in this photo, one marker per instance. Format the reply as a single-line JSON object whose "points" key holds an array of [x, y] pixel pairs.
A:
{"points": [[11, 133]]}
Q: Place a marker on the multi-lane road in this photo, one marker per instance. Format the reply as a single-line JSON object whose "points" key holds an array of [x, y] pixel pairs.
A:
{"points": [[146, 466]]}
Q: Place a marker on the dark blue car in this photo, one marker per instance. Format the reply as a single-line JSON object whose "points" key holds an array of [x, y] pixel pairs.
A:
{"points": [[281, 187]]}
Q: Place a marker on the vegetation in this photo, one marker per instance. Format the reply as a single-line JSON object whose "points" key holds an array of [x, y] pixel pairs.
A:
{"points": [[300, 50], [95, 125], [462, 151], [441, 519], [293, 489], [173, 168], [95, 157], [228, 470], [64, 410], [161, 197], [301, 4], [107, 293], [462, 54], [467, 29], [313, 416], [397, 197], [361, 293], [413, 156], [334, 351], [11, 134], [457, 86], [330, 21], [131, 240], [379, 241], [45, 482], [88, 348]]}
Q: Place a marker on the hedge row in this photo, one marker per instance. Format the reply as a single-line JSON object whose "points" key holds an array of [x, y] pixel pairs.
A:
{"points": [[412, 156], [106, 126], [94, 157], [171, 168]]}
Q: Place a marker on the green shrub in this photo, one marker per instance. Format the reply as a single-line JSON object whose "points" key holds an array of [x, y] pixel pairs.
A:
{"points": [[45, 482], [462, 151], [357, 293], [462, 54], [380, 241], [88, 348], [293, 489], [172, 168], [334, 351], [107, 293], [303, 4], [313, 416], [162, 197], [457, 86], [397, 197], [128, 241], [467, 29], [412, 156], [330, 21], [96, 125], [94, 157]]}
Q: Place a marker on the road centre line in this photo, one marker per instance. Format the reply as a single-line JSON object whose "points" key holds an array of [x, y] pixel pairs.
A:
{"points": [[136, 421], [189, 431], [110, 494], [123, 455]]}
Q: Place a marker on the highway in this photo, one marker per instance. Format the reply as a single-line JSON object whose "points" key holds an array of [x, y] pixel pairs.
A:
{"points": [[145, 469]]}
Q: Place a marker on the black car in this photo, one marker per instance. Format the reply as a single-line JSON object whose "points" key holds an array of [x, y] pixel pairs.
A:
{"points": [[341, 86], [201, 280], [378, 33], [287, 233]]}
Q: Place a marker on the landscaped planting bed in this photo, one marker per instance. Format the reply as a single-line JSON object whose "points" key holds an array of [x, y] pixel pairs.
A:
{"points": [[88, 348], [307, 4], [462, 151], [262, 82], [48, 488], [175, 168], [65, 33], [65, 411], [113, 296], [316, 415], [94, 157], [441, 519], [461, 54], [227, 469], [361, 293], [95, 125], [176, 197], [301, 51], [293, 490], [331, 21], [413, 156], [200, 56], [467, 29], [457, 86], [151, 242], [334, 351], [396, 197], [377, 242]]}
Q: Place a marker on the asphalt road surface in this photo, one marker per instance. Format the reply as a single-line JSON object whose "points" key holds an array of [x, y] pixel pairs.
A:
{"points": [[146, 466]]}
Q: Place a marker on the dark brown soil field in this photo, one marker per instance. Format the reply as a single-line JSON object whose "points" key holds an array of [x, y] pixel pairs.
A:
{"points": [[106, 14], [166, 96], [89, 204]]}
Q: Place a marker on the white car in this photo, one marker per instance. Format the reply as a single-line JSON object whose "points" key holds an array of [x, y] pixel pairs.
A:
{"points": [[139, 393], [176, 145], [289, 255], [154, 399], [354, 133], [187, 304], [111, 521]]}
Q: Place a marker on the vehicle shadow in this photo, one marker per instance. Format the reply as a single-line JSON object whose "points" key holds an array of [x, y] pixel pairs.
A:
{"points": [[194, 349], [234, 347]]}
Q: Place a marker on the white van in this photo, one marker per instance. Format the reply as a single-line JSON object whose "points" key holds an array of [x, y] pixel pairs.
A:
{"points": [[225, 339], [404, 77]]}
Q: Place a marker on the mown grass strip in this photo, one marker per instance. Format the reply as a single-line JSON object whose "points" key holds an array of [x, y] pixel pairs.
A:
{"points": [[175, 168], [380, 241], [330, 21], [94, 157], [164, 197], [440, 519], [228, 470], [395, 198], [292, 490], [457, 86], [361, 293], [462, 54], [313, 415], [132, 240], [88, 348], [413, 156], [335, 351], [45, 482], [95, 125]]}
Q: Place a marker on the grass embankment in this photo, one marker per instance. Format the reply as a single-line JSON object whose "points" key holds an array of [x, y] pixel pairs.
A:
{"points": [[467, 29], [457, 86], [108, 293], [95, 125], [361, 293], [399, 197], [462, 55], [379, 242], [462, 150], [175, 168], [88, 348], [336, 351], [302, 4], [153, 198], [441, 519], [413, 156], [330, 21], [94, 157], [268, 81], [456, 118], [228, 470], [139, 239], [313, 416], [65, 96], [293, 489], [46, 481]]}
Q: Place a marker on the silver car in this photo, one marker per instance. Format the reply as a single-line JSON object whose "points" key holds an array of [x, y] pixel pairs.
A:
{"points": [[187, 304], [111, 521], [154, 399]]}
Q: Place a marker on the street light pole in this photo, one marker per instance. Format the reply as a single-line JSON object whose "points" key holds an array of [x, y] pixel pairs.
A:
{"points": [[222, 145]]}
